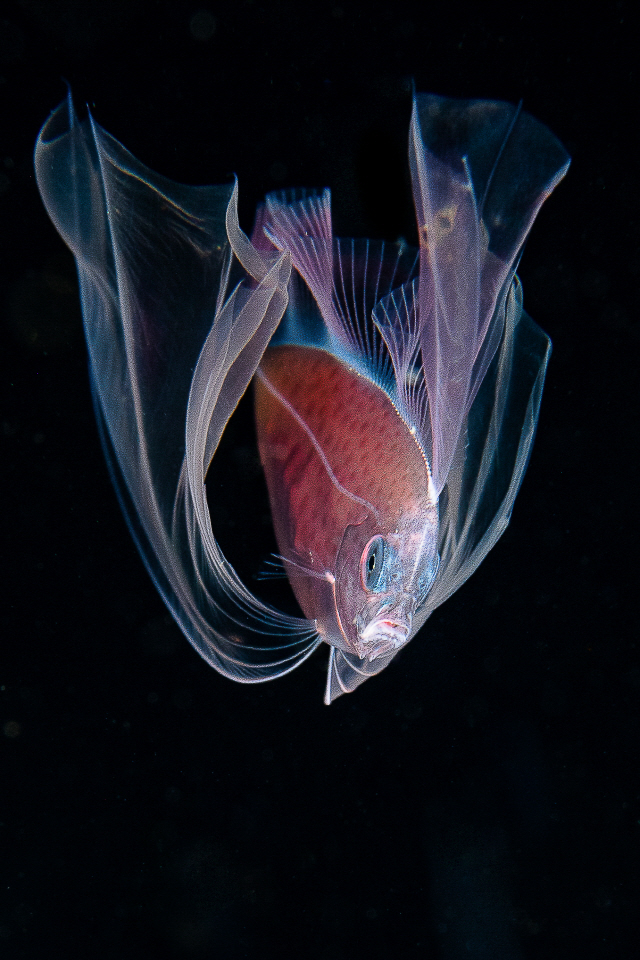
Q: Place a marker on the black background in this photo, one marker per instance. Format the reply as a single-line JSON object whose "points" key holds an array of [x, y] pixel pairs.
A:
{"points": [[478, 799]]}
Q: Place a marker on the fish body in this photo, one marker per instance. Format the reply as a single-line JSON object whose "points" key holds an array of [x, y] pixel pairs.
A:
{"points": [[350, 491], [397, 390]]}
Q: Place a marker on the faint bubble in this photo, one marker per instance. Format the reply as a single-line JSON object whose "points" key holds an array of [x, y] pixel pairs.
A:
{"points": [[12, 729], [202, 25], [267, 754]]}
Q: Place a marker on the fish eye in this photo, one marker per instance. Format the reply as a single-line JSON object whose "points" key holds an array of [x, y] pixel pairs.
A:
{"points": [[372, 563]]}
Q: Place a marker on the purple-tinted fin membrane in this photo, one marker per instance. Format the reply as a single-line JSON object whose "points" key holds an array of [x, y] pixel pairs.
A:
{"points": [[303, 227], [480, 172], [172, 348], [346, 278]]}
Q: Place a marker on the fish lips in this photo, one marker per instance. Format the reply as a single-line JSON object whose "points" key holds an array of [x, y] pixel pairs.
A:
{"points": [[386, 631]]}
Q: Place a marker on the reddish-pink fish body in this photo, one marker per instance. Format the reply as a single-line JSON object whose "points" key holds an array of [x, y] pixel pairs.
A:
{"points": [[342, 467]]}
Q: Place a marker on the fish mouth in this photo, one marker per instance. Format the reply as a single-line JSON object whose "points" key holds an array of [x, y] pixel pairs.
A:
{"points": [[381, 637]]}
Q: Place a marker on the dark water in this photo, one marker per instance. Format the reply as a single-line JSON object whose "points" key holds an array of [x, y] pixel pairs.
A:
{"points": [[479, 799]]}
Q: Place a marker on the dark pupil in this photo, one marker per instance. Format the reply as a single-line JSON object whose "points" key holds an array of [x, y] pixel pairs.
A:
{"points": [[372, 562]]}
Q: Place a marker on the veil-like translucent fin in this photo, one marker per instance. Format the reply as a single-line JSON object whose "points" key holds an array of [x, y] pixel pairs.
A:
{"points": [[397, 318], [301, 223], [480, 172], [487, 470], [346, 672], [365, 272], [171, 352], [492, 454], [346, 278], [468, 365], [179, 307]]}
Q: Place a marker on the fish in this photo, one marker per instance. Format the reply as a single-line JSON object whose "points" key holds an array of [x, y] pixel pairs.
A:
{"points": [[396, 388]]}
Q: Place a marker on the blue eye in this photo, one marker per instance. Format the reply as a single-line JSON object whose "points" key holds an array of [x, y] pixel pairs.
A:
{"points": [[372, 563]]}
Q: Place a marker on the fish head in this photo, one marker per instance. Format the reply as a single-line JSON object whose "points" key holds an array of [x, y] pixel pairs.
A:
{"points": [[384, 571]]}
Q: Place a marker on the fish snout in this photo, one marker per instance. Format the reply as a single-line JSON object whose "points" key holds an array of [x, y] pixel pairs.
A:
{"points": [[387, 631]]}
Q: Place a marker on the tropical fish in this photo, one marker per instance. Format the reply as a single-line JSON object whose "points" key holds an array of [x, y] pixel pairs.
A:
{"points": [[396, 389]]}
